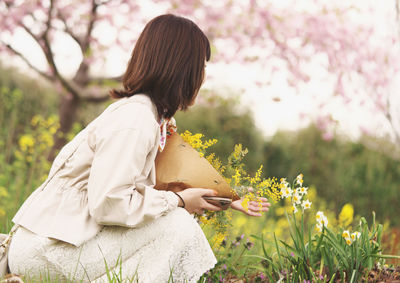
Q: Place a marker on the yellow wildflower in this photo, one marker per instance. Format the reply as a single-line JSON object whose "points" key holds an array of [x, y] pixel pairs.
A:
{"points": [[53, 129], [218, 238], [47, 138], [236, 177], [196, 142], [237, 151], [245, 202], [3, 192], [257, 177], [346, 215], [51, 121], [265, 183], [203, 219], [37, 119], [216, 163], [26, 141]]}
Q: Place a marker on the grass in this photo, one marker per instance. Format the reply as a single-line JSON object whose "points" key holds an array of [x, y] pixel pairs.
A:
{"points": [[112, 275]]}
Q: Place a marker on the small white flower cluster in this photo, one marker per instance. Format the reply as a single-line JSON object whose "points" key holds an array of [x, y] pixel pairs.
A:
{"points": [[322, 221], [350, 238], [296, 195]]}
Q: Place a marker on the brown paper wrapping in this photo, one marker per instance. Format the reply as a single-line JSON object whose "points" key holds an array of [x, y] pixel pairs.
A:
{"points": [[180, 166]]}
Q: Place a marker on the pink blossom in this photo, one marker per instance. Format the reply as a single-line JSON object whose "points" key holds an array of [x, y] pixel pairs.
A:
{"points": [[290, 35]]}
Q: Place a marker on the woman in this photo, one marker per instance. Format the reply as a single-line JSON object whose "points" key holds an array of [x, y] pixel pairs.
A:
{"points": [[98, 206]]}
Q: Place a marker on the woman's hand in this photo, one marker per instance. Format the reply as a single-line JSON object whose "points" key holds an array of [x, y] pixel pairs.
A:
{"points": [[194, 202], [254, 207]]}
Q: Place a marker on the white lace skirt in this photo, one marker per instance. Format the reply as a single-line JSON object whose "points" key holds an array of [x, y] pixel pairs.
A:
{"points": [[172, 247]]}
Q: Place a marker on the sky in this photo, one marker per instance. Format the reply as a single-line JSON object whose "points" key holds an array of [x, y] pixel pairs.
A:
{"points": [[236, 79]]}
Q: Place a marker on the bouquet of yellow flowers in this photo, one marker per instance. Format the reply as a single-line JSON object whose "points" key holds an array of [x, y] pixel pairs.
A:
{"points": [[179, 167]]}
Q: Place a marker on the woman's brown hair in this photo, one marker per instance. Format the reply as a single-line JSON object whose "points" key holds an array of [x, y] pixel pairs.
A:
{"points": [[167, 64]]}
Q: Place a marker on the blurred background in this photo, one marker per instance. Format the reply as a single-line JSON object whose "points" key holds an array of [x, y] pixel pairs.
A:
{"points": [[307, 86]]}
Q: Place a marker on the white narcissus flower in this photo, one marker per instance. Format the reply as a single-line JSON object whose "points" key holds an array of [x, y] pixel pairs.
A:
{"points": [[319, 227], [299, 179], [294, 207], [346, 234], [355, 236], [283, 193], [319, 215], [303, 190], [324, 221], [286, 192], [284, 183], [306, 204], [296, 198]]}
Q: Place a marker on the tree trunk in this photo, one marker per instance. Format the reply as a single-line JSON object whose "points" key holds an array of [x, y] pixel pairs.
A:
{"points": [[67, 113]]}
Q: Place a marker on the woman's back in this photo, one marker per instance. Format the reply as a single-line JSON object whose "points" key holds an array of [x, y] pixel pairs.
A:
{"points": [[59, 208]]}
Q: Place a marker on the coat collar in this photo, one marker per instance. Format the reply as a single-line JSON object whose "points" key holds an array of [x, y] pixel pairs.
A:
{"points": [[146, 100]]}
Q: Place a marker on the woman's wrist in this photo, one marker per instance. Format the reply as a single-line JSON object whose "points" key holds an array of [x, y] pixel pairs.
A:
{"points": [[181, 202]]}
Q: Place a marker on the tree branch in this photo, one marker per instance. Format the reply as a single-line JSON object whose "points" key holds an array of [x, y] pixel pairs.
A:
{"points": [[92, 19], [68, 30], [49, 18], [82, 75], [49, 53], [105, 80], [34, 36], [95, 97], [21, 56], [84, 93], [47, 47]]}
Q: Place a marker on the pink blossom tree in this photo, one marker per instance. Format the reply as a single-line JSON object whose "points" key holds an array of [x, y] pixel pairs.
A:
{"points": [[254, 30]]}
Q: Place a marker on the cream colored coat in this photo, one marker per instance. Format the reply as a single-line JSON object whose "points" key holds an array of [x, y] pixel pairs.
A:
{"points": [[104, 176]]}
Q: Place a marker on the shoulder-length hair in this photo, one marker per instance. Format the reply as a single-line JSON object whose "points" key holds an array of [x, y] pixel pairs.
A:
{"points": [[167, 64]]}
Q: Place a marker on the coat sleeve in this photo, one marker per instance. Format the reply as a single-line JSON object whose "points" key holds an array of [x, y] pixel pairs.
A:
{"points": [[115, 194]]}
